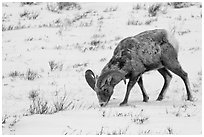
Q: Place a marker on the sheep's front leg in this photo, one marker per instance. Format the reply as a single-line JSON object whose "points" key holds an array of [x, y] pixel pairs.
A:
{"points": [[131, 83]]}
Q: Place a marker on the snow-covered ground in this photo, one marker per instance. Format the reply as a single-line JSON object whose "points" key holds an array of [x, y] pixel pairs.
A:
{"points": [[47, 52]]}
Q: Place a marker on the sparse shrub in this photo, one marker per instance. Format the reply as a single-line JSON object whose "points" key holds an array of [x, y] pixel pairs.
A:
{"points": [[181, 110], [14, 74], [95, 42], [38, 104], [81, 16], [57, 22], [29, 39], [55, 65], [33, 94], [134, 22], [80, 65], [29, 14], [136, 7], [140, 118], [4, 118], [64, 24], [12, 122], [137, 118], [95, 36], [110, 9], [31, 75], [92, 45], [179, 4], [104, 113], [104, 131], [80, 47], [5, 17], [4, 4], [199, 4], [53, 7], [149, 21], [58, 6], [121, 114], [101, 132], [193, 49], [61, 101], [86, 23], [28, 3], [68, 5], [117, 132], [163, 9], [145, 132], [8, 26], [200, 75], [72, 131], [153, 9], [170, 130], [103, 59], [4, 27], [184, 32]]}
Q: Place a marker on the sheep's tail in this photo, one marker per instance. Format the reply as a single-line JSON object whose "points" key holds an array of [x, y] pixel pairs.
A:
{"points": [[171, 38]]}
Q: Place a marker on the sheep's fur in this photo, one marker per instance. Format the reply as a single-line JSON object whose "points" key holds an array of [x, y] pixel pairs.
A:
{"points": [[174, 42]]}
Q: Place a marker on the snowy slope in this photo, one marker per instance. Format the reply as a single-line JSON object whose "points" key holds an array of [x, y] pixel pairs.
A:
{"points": [[88, 43]]}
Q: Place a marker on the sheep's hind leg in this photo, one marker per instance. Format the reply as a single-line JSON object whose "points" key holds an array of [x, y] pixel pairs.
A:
{"points": [[145, 96], [167, 78], [176, 68]]}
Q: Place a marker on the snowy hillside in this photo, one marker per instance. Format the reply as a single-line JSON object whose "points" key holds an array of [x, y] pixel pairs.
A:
{"points": [[47, 47]]}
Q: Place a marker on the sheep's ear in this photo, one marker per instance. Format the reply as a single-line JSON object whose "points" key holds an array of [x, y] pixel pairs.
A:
{"points": [[90, 78]]}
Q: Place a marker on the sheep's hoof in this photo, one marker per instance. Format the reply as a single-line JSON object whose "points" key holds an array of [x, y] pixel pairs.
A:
{"points": [[123, 104], [190, 98], [160, 98], [145, 99]]}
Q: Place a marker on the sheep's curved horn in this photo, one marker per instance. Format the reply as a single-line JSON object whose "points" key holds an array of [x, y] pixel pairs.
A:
{"points": [[110, 73], [90, 78]]}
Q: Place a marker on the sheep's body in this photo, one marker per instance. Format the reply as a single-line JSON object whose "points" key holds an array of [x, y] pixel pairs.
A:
{"points": [[142, 52], [149, 50]]}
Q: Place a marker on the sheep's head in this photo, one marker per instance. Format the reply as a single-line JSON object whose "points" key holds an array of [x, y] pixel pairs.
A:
{"points": [[101, 85]]}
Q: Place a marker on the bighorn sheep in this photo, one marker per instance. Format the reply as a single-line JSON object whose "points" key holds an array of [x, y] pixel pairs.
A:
{"points": [[150, 50]]}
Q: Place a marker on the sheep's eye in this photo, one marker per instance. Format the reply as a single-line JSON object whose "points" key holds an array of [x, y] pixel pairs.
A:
{"points": [[105, 91]]}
